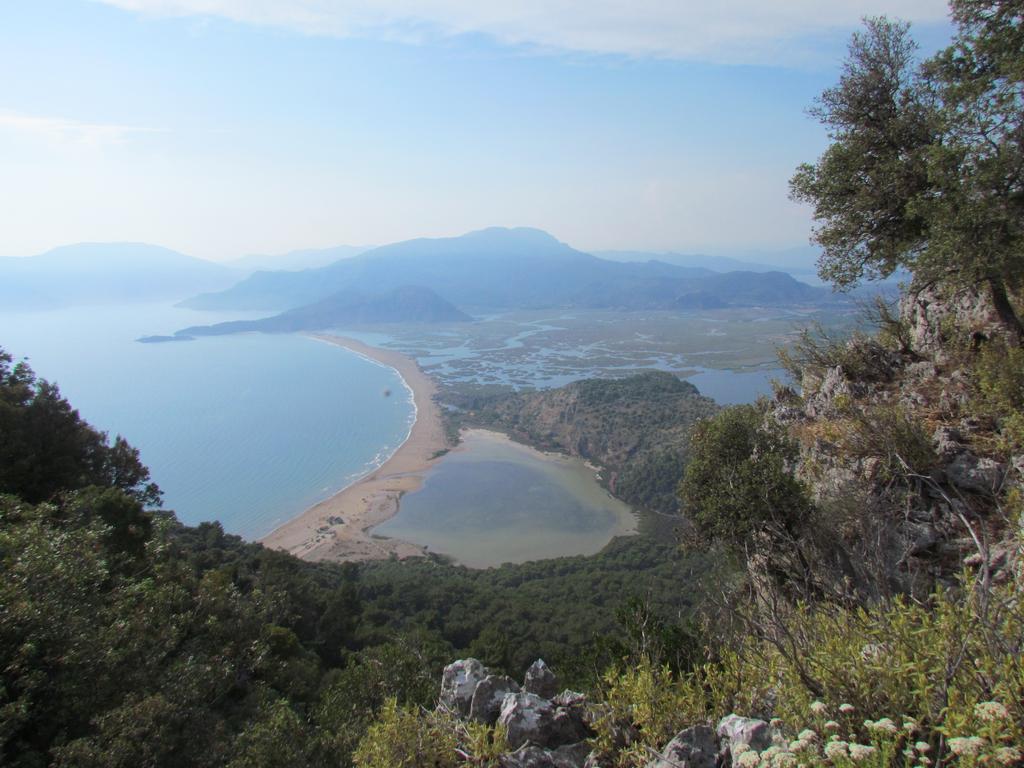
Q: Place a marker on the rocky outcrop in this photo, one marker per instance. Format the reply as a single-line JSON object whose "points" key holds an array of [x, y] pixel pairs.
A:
{"points": [[696, 747], [530, 719], [458, 684], [937, 317], [540, 680], [903, 469], [543, 729], [570, 756], [736, 732], [554, 730], [488, 697]]}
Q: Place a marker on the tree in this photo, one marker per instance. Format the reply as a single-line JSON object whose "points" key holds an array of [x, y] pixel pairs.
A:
{"points": [[926, 166], [738, 482], [47, 447]]}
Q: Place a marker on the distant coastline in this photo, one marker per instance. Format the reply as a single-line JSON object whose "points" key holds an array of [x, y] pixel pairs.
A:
{"points": [[337, 528]]}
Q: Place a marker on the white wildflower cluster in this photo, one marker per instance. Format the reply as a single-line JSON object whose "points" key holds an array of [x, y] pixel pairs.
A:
{"points": [[861, 752], [1008, 756], [991, 711], [966, 746], [837, 750], [885, 726], [818, 708]]}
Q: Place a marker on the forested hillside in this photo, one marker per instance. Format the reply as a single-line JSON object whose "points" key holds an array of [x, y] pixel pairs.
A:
{"points": [[636, 428], [129, 639]]}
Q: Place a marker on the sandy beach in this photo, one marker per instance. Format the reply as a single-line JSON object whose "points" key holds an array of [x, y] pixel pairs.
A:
{"points": [[337, 528]]}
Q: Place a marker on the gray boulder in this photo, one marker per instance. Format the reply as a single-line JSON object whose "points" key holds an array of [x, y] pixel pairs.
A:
{"points": [[529, 719], [488, 697], [948, 442], [568, 756], [973, 473], [540, 680], [734, 731], [569, 698], [458, 683], [695, 747]]}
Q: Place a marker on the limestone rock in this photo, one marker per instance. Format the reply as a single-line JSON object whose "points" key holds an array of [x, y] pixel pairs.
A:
{"points": [[569, 698], [935, 315], [530, 719], [973, 473], [458, 683], [571, 755], [488, 697], [948, 441], [735, 731], [540, 680], [695, 747], [568, 756]]}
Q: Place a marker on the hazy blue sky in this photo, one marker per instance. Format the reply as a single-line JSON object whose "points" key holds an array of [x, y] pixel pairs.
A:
{"points": [[224, 127]]}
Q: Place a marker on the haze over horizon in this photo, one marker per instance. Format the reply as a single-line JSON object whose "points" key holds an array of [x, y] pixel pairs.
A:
{"points": [[223, 128]]}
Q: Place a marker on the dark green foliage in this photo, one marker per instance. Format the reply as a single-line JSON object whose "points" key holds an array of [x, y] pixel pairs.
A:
{"points": [[650, 480], [739, 481], [925, 167], [47, 448], [560, 610]]}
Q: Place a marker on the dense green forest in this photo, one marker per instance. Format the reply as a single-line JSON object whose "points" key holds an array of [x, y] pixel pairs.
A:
{"points": [[129, 639]]}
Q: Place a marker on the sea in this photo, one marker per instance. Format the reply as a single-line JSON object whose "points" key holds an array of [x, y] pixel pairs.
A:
{"points": [[248, 430], [252, 429]]}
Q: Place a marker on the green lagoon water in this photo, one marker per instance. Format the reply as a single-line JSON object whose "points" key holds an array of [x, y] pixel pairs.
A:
{"points": [[493, 501]]}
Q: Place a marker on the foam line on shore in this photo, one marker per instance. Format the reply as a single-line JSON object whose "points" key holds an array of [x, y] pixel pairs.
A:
{"points": [[337, 528]]}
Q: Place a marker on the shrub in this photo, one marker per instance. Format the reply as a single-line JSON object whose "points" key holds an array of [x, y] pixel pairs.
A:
{"points": [[999, 380], [739, 480], [946, 673]]}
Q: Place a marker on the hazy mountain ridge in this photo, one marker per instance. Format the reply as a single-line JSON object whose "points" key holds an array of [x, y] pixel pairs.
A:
{"points": [[513, 268], [101, 273], [410, 304], [304, 258]]}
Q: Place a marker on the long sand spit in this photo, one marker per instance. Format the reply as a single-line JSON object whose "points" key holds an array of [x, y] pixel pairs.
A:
{"points": [[337, 529]]}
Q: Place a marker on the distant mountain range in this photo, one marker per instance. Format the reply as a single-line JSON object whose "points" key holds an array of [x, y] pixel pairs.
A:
{"points": [[409, 304], [495, 268], [518, 268], [307, 258], [691, 260], [105, 273]]}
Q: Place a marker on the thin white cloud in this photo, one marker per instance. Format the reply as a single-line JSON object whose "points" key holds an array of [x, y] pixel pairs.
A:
{"points": [[719, 30], [67, 131]]}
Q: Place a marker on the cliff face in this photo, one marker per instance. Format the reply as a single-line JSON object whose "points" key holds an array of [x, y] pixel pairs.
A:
{"points": [[636, 428], [908, 447]]}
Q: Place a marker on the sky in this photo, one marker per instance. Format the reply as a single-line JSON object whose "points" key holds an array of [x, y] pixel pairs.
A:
{"points": [[226, 127]]}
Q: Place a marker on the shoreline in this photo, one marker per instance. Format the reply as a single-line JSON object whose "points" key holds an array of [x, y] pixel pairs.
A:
{"points": [[337, 528]]}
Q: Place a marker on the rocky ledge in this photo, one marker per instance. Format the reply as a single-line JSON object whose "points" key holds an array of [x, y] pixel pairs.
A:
{"points": [[546, 729]]}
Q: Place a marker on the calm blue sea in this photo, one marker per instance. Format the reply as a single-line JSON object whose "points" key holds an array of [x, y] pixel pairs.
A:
{"points": [[249, 430]]}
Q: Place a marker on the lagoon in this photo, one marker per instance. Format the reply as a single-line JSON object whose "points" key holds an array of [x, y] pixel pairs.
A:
{"points": [[494, 501]]}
